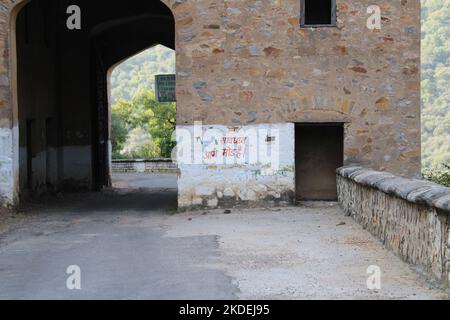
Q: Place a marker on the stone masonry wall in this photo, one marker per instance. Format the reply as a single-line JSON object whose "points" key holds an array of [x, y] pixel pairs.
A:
{"points": [[244, 63], [411, 217], [248, 62]]}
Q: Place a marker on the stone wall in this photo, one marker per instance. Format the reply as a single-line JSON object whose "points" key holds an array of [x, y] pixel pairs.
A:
{"points": [[247, 62], [411, 217], [144, 166], [241, 165], [243, 63]]}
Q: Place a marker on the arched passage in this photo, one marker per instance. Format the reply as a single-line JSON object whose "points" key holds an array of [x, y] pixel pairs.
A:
{"points": [[62, 91]]}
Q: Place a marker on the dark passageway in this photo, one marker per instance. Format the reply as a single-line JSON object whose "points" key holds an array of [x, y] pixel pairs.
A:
{"points": [[64, 120]]}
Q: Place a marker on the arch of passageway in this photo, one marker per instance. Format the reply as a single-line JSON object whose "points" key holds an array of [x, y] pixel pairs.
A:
{"points": [[59, 86]]}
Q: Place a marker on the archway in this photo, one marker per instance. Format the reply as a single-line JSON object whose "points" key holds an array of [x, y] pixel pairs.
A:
{"points": [[62, 92], [142, 123]]}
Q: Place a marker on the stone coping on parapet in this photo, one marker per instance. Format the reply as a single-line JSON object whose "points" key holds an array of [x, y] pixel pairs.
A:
{"points": [[412, 190], [143, 160]]}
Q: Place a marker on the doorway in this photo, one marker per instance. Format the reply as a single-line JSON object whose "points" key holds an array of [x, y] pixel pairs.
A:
{"points": [[142, 125], [319, 152]]}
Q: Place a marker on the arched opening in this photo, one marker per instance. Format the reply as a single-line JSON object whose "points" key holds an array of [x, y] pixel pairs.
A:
{"points": [[62, 86], [142, 124]]}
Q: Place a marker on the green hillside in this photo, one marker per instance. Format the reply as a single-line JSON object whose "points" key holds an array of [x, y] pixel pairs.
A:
{"points": [[435, 82], [139, 72]]}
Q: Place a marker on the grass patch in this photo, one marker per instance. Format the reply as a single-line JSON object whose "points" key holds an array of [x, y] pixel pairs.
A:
{"points": [[439, 174]]}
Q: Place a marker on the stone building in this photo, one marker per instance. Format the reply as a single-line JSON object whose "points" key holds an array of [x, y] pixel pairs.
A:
{"points": [[272, 95]]}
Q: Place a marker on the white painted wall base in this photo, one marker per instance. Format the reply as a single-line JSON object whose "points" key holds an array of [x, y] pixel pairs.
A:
{"points": [[6, 167], [211, 179]]}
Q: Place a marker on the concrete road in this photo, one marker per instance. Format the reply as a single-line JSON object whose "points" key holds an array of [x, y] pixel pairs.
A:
{"points": [[131, 244]]}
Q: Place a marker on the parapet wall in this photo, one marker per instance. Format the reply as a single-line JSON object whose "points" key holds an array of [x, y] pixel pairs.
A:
{"points": [[411, 217], [144, 166]]}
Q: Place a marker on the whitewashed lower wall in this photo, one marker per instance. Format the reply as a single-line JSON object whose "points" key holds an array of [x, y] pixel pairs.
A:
{"points": [[223, 170], [6, 167]]}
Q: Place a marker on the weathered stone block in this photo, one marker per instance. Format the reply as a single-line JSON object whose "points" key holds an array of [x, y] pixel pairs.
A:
{"points": [[444, 203], [197, 201], [247, 195], [228, 192], [213, 203], [205, 191]]}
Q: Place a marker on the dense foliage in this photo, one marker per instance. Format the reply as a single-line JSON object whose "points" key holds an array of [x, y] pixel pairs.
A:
{"points": [[141, 127], [440, 175], [436, 83]]}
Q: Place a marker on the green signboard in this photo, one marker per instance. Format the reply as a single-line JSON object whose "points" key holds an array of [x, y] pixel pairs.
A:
{"points": [[165, 88]]}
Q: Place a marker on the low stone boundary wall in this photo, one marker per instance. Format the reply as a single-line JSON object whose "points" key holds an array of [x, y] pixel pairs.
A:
{"points": [[144, 166], [411, 217]]}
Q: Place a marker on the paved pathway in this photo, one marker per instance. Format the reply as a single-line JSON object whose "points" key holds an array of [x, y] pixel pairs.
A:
{"points": [[131, 244]]}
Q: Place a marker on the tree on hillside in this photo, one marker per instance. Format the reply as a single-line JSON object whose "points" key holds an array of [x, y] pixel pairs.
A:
{"points": [[144, 114], [138, 72], [435, 82], [119, 135]]}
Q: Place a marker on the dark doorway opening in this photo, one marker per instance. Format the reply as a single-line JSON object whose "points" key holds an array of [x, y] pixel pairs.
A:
{"points": [[319, 152]]}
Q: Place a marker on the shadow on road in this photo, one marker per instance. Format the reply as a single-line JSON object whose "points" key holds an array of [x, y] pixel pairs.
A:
{"points": [[130, 192]]}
